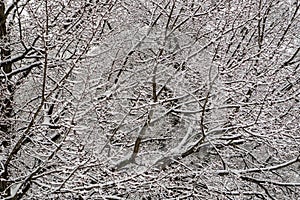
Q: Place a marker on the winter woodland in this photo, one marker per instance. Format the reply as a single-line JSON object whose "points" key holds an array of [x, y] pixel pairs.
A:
{"points": [[147, 99]]}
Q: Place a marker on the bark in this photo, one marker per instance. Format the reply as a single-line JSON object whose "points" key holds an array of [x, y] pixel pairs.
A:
{"points": [[6, 93], [6, 88]]}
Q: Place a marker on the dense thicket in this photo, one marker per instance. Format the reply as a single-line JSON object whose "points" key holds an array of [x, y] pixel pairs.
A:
{"points": [[106, 99]]}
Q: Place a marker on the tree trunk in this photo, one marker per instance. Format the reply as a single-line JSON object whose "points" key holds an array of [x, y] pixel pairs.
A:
{"points": [[6, 88], [6, 93]]}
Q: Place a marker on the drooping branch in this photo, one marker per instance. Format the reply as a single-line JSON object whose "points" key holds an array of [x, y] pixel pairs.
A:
{"points": [[264, 169]]}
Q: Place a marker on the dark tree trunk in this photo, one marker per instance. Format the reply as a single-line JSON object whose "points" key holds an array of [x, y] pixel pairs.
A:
{"points": [[6, 88], [6, 93]]}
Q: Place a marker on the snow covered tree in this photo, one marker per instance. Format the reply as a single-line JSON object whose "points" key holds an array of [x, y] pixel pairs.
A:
{"points": [[104, 99]]}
